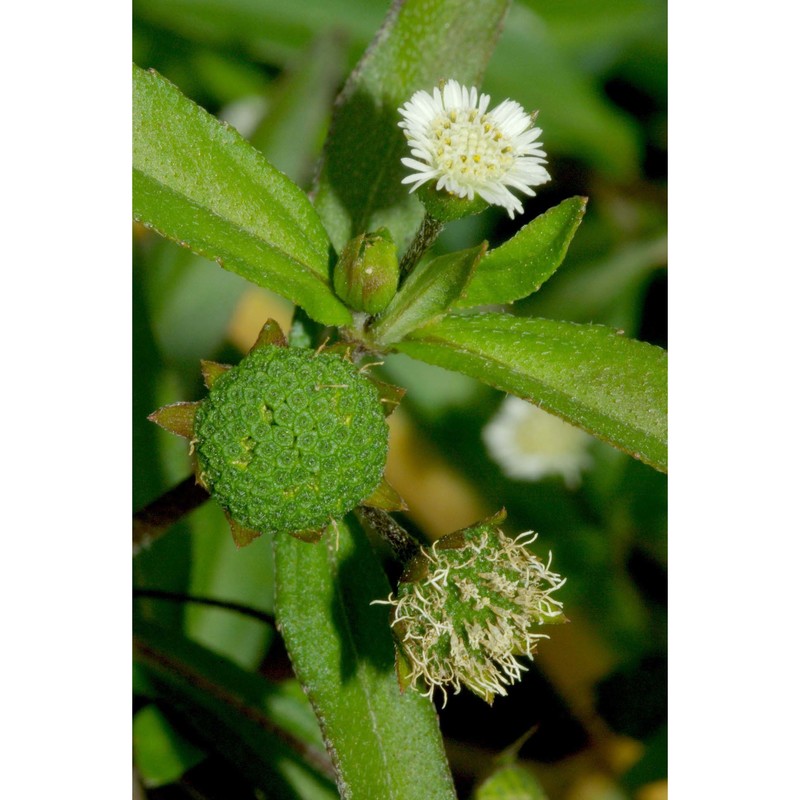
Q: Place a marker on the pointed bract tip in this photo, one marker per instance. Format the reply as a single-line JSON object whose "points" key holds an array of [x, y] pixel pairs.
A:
{"points": [[241, 536], [211, 371], [271, 335], [177, 418]]}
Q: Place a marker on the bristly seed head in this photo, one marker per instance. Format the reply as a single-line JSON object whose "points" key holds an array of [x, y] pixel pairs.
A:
{"points": [[468, 605]]}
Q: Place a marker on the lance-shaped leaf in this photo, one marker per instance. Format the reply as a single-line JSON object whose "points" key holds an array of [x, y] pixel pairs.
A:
{"points": [[521, 265], [428, 294], [160, 753], [385, 745], [420, 43], [613, 387], [195, 180]]}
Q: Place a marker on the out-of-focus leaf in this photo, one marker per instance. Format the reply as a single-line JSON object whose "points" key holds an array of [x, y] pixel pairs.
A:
{"points": [[268, 29], [633, 700], [166, 563], [575, 117], [222, 571], [195, 180], [613, 387], [606, 291], [428, 294], [160, 754], [421, 42], [258, 726], [225, 75], [521, 265], [652, 766], [580, 24], [385, 745], [191, 301], [291, 131], [511, 782], [434, 391], [530, 65]]}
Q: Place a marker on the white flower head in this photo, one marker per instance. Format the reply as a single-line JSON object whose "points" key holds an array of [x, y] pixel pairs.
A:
{"points": [[530, 444], [470, 151]]}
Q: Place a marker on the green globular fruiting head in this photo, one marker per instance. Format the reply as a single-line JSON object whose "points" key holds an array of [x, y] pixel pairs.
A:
{"points": [[468, 605], [290, 439]]}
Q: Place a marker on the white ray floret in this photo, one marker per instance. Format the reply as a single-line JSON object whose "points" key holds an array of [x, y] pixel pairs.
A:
{"points": [[470, 151]]}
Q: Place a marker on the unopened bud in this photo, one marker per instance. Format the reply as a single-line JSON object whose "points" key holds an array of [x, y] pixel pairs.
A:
{"points": [[366, 275]]}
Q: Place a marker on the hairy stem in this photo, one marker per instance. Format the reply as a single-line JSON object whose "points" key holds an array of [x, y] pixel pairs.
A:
{"points": [[404, 546], [424, 238]]}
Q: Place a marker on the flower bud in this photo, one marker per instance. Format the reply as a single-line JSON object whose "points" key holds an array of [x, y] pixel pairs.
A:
{"points": [[468, 605], [367, 272]]}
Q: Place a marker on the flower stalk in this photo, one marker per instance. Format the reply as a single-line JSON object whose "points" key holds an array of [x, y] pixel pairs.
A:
{"points": [[426, 235]]}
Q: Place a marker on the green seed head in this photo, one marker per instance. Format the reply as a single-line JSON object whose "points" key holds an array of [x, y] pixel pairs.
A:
{"points": [[468, 605], [290, 439]]}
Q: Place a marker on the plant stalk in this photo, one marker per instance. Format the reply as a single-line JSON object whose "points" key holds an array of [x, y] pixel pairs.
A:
{"points": [[403, 544], [426, 235], [155, 519]]}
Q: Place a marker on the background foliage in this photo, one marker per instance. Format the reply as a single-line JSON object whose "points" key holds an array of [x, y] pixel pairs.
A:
{"points": [[593, 703]]}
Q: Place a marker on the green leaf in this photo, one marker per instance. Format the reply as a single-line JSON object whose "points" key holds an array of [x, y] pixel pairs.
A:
{"points": [[521, 265], [161, 755], [220, 570], [421, 42], [606, 290], [272, 31], [191, 302], [583, 25], [512, 782], [268, 731], [195, 180], [613, 387], [290, 134], [428, 294], [542, 58], [385, 745]]}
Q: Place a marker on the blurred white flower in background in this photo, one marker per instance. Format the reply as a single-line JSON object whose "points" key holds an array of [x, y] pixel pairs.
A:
{"points": [[530, 444]]}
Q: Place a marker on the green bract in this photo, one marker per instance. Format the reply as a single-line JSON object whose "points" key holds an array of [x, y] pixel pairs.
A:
{"points": [[290, 439]]}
